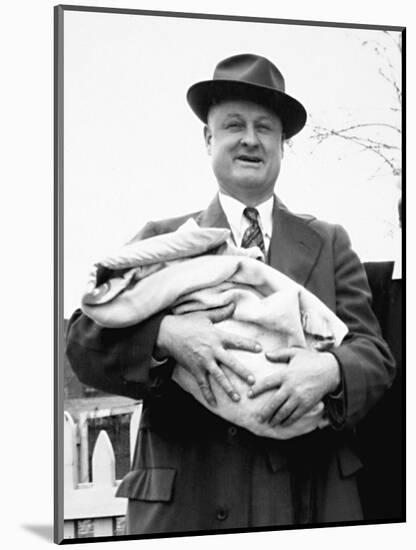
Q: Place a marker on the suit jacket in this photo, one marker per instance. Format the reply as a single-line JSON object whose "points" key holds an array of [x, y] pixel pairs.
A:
{"points": [[380, 437], [194, 471]]}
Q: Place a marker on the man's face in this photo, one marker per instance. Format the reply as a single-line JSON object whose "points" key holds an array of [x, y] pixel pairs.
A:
{"points": [[245, 142]]}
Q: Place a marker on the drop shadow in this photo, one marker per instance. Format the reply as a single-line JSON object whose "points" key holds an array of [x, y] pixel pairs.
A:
{"points": [[43, 531]]}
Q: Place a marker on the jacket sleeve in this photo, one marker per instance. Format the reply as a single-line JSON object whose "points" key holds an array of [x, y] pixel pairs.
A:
{"points": [[367, 366], [116, 361]]}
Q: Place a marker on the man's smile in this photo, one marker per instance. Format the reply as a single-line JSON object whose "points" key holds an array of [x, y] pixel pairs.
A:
{"points": [[249, 160]]}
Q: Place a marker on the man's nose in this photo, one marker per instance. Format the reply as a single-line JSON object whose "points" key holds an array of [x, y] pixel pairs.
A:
{"points": [[250, 137]]}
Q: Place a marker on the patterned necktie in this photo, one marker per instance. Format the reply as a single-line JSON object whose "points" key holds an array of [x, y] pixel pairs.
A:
{"points": [[252, 235]]}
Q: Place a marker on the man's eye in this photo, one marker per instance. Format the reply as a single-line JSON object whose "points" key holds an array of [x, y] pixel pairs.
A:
{"points": [[233, 125], [264, 128]]}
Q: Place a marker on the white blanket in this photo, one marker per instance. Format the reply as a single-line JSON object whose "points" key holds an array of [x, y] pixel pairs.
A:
{"points": [[161, 273]]}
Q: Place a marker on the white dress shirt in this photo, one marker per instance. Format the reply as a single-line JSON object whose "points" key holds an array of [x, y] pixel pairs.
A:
{"points": [[233, 210]]}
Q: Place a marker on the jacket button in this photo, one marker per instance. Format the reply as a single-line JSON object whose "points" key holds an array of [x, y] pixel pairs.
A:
{"points": [[222, 514], [232, 431]]}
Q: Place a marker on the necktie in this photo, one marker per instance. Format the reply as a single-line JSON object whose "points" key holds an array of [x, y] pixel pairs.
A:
{"points": [[252, 235]]}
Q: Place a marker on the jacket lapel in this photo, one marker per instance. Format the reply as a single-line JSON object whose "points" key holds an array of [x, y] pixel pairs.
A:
{"points": [[213, 216], [295, 246]]}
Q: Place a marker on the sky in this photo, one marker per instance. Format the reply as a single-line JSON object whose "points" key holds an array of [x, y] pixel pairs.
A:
{"points": [[134, 151]]}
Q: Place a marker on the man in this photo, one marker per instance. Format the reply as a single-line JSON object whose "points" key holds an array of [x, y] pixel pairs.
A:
{"points": [[193, 471], [380, 436]]}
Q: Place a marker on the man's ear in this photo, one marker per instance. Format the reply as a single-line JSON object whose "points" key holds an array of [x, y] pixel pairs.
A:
{"points": [[207, 137], [282, 145]]}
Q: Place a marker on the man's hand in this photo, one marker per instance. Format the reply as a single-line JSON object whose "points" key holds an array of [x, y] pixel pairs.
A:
{"points": [[315, 418], [302, 378], [203, 349]]}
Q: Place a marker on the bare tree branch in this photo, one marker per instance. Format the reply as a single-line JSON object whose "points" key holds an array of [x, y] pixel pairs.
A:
{"points": [[382, 52], [367, 144], [397, 42], [365, 134], [320, 133], [364, 125], [391, 81]]}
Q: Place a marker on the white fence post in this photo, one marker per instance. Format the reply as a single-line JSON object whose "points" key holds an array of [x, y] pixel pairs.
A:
{"points": [[83, 447], [70, 468], [103, 461], [95, 500], [70, 453], [69, 529]]}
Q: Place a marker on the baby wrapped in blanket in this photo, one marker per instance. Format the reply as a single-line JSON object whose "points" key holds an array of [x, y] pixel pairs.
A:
{"points": [[196, 269]]}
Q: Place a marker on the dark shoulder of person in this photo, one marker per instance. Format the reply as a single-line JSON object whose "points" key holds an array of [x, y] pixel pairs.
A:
{"points": [[387, 303]]}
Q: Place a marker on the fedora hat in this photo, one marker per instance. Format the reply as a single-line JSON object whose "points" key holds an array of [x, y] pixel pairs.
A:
{"points": [[250, 77]]}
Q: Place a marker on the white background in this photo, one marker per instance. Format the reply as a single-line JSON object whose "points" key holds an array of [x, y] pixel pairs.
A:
{"points": [[26, 117]]}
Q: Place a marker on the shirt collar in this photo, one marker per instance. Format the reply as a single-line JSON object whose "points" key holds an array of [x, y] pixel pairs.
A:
{"points": [[233, 210]]}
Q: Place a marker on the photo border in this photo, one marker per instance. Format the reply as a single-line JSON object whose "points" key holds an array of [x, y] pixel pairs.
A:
{"points": [[59, 333]]}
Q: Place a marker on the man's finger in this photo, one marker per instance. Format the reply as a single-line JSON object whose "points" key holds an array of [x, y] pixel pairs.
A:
{"points": [[301, 410], [315, 411], [296, 415], [284, 414], [232, 341], [282, 355], [269, 382], [206, 391], [273, 405], [236, 366], [222, 380], [220, 313]]}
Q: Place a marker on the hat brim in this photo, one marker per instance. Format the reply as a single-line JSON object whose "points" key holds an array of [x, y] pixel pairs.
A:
{"points": [[202, 95]]}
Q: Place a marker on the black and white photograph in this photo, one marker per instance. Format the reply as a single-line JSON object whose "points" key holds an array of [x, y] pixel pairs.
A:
{"points": [[230, 200]]}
